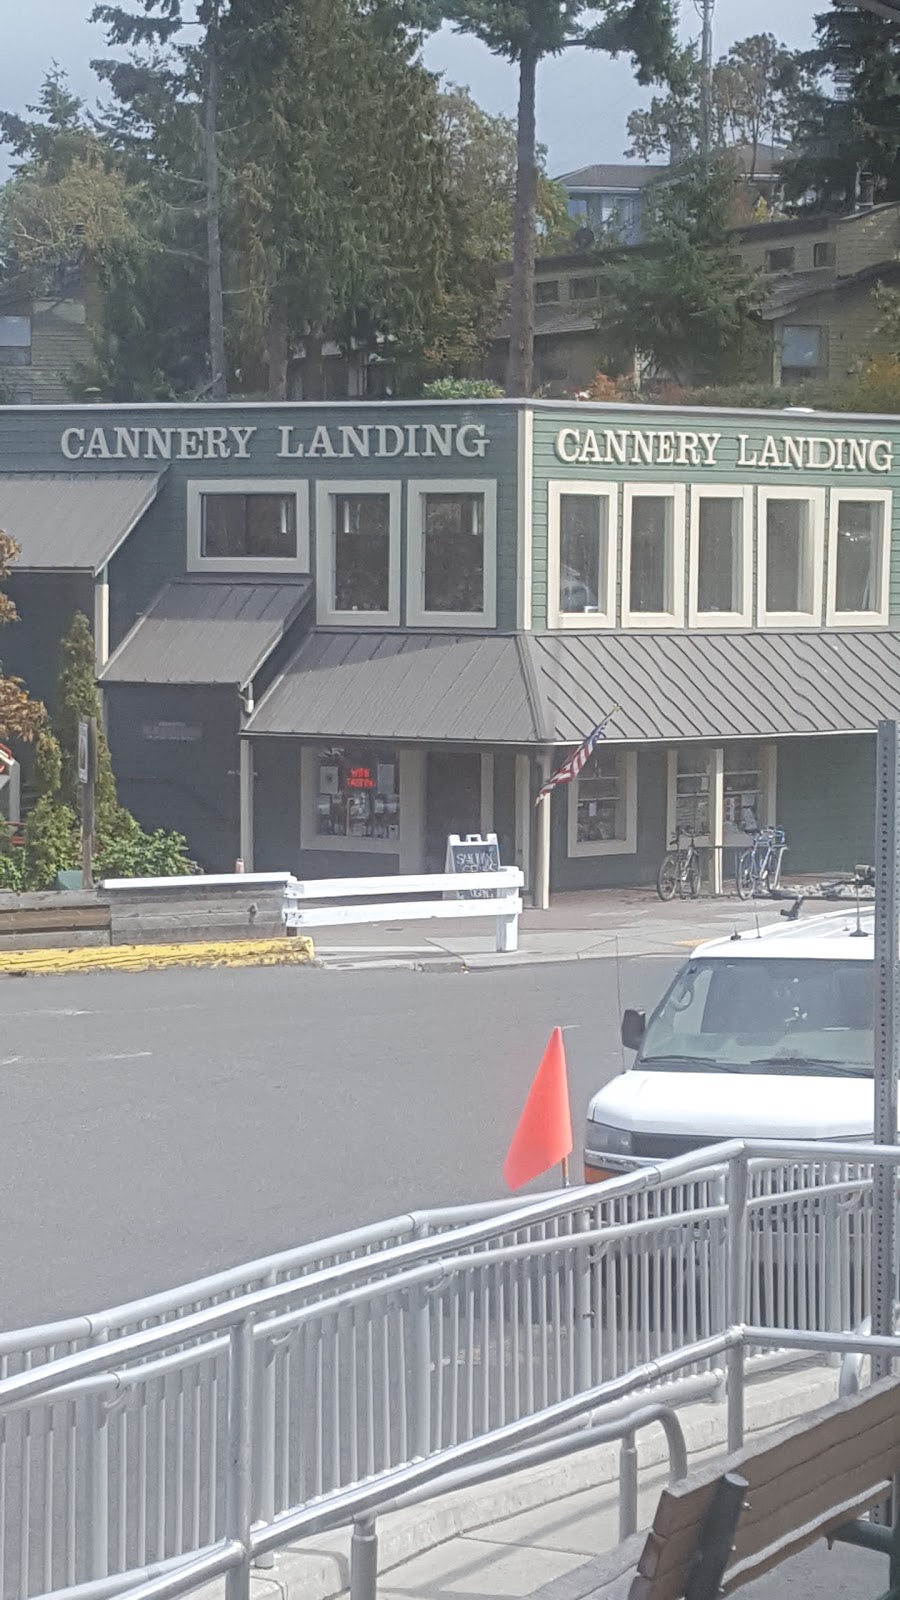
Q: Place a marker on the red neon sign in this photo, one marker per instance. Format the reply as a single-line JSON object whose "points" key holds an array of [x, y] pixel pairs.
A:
{"points": [[360, 778]]}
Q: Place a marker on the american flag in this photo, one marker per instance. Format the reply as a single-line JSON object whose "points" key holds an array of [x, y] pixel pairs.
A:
{"points": [[571, 768]]}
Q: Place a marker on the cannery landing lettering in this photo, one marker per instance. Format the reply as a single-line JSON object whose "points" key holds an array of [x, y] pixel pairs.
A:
{"points": [[381, 440], [683, 448]]}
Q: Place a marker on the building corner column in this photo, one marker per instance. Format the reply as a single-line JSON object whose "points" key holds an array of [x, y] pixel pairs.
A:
{"points": [[247, 801], [541, 896]]}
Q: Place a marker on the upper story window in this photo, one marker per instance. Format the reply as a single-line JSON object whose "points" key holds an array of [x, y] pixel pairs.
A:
{"points": [[823, 253], [358, 552], [790, 556], [802, 352], [451, 553], [584, 288], [15, 341], [721, 557], [653, 556], [546, 292], [858, 557], [238, 525], [581, 555], [780, 259]]}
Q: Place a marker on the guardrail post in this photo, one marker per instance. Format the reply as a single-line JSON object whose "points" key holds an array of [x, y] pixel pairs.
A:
{"points": [[265, 1506], [364, 1560], [508, 932], [98, 1481], [737, 1292], [582, 1307], [628, 1487], [239, 1465]]}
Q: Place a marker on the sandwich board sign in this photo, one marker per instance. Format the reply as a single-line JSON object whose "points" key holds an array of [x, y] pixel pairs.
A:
{"points": [[473, 852]]}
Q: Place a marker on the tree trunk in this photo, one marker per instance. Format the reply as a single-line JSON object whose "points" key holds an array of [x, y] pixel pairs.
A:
{"points": [[520, 369], [277, 347], [218, 372]]}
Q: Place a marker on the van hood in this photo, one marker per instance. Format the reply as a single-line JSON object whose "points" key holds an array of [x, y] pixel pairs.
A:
{"points": [[732, 1105]]}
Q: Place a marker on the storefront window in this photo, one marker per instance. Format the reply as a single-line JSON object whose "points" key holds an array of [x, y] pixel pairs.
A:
{"points": [[583, 551], [742, 790], [358, 793], [453, 534], [788, 556], [692, 792], [362, 548], [600, 809], [719, 533], [651, 553], [244, 526], [860, 534]]}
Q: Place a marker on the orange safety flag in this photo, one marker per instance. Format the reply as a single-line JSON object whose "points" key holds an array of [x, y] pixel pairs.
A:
{"points": [[544, 1135]]}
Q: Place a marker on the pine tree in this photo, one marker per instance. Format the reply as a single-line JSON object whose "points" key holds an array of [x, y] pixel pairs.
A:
{"points": [[524, 32]]}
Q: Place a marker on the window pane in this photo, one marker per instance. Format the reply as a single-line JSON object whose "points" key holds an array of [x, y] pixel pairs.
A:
{"points": [[692, 792], [358, 794], [801, 347], [15, 332], [719, 556], [859, 544], [742, 789], [788, 586], [651, 578], [583, 551], [241, 526], [362, 552], [600, 804], [454, 552]]}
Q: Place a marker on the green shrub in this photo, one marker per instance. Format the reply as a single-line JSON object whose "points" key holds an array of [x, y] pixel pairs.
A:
{"points": [[461, 389], [124, 850]]}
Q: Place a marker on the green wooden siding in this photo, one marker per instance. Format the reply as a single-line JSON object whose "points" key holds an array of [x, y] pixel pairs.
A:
{"points": [[547, 465], [826, 802]]}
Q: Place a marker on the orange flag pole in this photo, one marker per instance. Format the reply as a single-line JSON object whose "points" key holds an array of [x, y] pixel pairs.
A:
{"points": [[543, 1137]]}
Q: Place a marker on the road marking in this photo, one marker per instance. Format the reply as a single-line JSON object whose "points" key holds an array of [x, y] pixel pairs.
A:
{"points": [[67, 1061]]}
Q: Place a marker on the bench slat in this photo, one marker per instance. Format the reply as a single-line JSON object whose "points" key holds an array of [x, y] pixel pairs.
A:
{"points": [[792, 1543]]}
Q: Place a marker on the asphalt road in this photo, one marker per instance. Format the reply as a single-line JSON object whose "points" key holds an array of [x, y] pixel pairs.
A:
{"points": [[159, 1126]]}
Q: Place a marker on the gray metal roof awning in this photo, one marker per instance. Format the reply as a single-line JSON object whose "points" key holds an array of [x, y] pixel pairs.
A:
{"points": [[207, 631], [375, 685], [65, 522], [551, 689]]}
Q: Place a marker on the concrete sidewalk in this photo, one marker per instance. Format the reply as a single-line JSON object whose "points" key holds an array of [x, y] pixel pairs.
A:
{"points": [[582, 926]]}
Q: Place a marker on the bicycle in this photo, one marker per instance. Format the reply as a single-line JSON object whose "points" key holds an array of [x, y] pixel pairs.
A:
{"points": [[680, 871], [759, 868]]}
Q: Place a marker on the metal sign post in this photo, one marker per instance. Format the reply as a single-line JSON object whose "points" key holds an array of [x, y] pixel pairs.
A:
{"points": [[887, 1030], [87, 771]]}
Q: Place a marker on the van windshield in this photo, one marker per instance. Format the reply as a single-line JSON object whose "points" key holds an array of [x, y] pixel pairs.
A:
{"points": [[764, 1015]]}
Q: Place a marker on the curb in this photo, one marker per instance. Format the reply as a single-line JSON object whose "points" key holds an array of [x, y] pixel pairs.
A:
{"points": [[150, 957], [320, 1569]]}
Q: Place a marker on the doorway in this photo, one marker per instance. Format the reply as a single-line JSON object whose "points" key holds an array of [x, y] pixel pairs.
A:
{"points": [[452, 801]]}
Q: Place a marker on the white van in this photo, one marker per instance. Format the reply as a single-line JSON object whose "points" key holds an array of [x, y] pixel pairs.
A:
{"points": [[762, 1035]]}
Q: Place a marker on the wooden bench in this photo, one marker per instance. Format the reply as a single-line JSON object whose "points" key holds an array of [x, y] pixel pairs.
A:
{"points": [[716, 1531]]}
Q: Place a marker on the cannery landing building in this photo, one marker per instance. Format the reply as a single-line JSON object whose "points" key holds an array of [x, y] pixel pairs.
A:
{"points": [[329, 635]]}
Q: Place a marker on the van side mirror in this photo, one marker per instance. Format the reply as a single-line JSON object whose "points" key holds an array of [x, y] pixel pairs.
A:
{"points": [[634, 1026]]}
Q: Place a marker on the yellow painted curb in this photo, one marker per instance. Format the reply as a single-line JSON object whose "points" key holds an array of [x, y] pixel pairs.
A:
{"points": [[151, 957]]}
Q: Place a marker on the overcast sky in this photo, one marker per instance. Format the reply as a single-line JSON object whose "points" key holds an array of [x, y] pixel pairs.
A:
{"points": [[583, 99]]}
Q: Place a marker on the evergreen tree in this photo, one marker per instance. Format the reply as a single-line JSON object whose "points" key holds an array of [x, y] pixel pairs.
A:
{"points": [[524, 32], [78, 700]]}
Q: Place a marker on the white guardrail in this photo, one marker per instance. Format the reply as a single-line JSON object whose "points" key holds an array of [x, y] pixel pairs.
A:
{"points": [[197, 1432], [435, 894]]}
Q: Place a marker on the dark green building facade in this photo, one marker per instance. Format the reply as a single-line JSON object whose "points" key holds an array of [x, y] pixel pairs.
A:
{"points": [[329, 635]]}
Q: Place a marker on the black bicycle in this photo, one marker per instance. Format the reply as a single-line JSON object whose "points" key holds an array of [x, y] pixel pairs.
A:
{"points": [[680, 870], [759, 868]]}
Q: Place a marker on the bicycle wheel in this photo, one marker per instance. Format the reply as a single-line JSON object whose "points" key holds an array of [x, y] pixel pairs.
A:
{"points": [[693, 874], [745, 874], [667, 878]]}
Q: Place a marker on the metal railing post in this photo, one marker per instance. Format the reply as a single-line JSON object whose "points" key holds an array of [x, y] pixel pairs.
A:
{"points": [[98, 1481], [628, 1487], [583, 1332], [421, 1353], [737, 1293], [239, 1464], [364, 1560], [264, 1509]]}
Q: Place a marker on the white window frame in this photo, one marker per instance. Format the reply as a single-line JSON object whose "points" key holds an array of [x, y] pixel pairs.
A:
{"points": [[416, 615], [197, 562], [815, 498], [328, 489], [675, 492], [605, 615], [859, 619], [607, 847], [715, 769], [742, 618], [701, 839]]}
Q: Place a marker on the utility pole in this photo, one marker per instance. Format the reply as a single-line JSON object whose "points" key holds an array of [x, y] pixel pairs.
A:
{"points": [[706, 12], [87, 777]]}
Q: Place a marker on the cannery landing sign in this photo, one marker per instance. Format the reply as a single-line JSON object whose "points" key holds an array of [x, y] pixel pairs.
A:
{"points": [[383, 440], [673, 447]]}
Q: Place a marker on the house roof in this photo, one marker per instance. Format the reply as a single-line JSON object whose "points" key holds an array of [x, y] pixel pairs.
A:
{"points": [[616, 175], [65, 523], [546, 689], [795, 288], [209, 631]]}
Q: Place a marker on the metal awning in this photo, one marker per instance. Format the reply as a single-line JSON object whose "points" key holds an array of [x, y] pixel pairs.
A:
{"points": [[207, 631], [68, 522], [551, 689]]}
